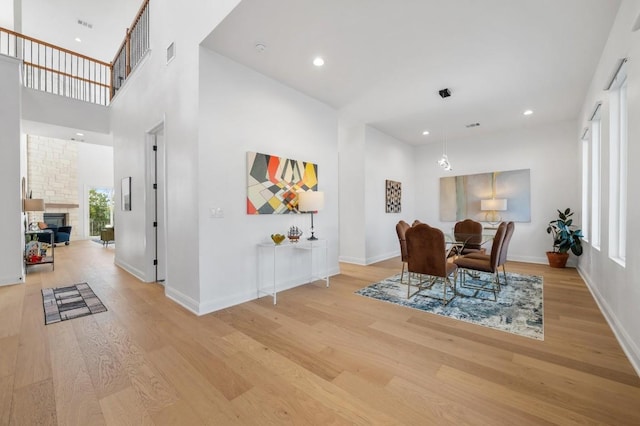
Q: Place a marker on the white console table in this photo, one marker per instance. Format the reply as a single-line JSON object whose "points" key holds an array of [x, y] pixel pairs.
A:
{"points": [[280, 253]]}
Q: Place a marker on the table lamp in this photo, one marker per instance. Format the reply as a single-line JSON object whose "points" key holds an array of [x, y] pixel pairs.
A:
{"points": [[310, 202], [33, 205]]}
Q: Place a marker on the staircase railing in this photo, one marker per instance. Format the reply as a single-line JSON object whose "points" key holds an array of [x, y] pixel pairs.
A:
{"points": [[57, 70], [132, 49]]}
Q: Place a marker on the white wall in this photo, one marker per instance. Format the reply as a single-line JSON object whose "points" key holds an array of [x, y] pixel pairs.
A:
{"points": [[241, 111], [351, 147], [11, 249], [158, 92], [617, 288], [368, 158], [43, 107], [551, 152], [6, 14], [386, 158], [95, 169]]}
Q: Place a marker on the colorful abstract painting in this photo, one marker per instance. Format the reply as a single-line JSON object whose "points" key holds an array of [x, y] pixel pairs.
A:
{"points": [[394, 196], [461, 196], [273, 183]]}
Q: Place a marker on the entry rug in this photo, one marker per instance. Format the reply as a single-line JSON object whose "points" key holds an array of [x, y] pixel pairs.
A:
{"points": [[518, 310], [64, 303]]}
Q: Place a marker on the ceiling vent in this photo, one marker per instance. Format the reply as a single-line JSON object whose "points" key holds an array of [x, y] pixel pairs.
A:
{"points": [[472, 125], [84, 23]]}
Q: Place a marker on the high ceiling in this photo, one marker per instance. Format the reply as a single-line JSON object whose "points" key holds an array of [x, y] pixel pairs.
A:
{"points": [[386, 60], [56, 22]]}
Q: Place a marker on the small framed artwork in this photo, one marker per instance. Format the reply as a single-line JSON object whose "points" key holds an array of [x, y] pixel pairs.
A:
{"points": [[126, 193], [394, 196]]}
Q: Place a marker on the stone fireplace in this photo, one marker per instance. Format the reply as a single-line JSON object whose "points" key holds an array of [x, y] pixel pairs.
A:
{"points": [[52, 174]]}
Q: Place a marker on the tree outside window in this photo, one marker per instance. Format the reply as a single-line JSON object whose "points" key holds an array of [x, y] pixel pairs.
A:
{"points": [[100, 209]]}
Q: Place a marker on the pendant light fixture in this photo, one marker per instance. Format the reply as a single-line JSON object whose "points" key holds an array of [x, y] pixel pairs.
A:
{"points": [[444, 160]]}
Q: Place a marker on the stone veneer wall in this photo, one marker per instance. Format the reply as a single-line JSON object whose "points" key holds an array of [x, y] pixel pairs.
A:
{"points": [[52, 174]]}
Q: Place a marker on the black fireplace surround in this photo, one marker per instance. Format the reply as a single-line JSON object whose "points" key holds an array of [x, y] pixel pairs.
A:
{"points": [[56, 219]]}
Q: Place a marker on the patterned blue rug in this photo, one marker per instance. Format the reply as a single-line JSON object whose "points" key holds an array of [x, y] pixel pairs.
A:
{"points": [[518, 310]]}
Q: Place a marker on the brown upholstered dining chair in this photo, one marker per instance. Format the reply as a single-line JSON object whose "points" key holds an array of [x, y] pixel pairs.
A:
{"points": [[416, 222], [426, 256], [485, 264], [401, 229], [503, 251], [470, 232]]}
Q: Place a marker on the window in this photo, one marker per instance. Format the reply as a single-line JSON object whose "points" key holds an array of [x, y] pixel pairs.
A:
{"points": [[595, 184], [585, 188], [618, 167]]}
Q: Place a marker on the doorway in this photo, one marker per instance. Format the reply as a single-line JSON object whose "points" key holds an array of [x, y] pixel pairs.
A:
{"points": [[158, 188]]}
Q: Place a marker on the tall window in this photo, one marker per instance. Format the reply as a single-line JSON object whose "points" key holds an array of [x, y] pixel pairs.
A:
{"points": [[618, 168], [585, 189], [595, 184]]}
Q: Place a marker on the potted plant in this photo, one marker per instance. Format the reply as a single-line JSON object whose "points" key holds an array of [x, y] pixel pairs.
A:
{"points": [[566, 236]]}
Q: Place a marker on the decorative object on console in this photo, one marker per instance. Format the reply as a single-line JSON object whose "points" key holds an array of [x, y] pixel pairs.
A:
{"points": [[294, 234], [273, 183], [461, 197], [394, 196], [310, 202], [277, 238]]}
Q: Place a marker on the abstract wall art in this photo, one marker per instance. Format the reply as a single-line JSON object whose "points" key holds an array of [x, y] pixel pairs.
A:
{"points": [[393, 198], [461, 196], [273, 182]]}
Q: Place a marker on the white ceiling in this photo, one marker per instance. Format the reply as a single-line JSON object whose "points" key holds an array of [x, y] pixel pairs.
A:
{"points": [[387, 59], [56, 22]]}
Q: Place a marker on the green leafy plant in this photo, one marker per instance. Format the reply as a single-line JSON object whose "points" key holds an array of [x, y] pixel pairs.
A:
{"points": [[566, 236]]}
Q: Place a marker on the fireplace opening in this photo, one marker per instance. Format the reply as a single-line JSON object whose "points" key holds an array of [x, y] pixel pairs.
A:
{"points": [[56, 219]]}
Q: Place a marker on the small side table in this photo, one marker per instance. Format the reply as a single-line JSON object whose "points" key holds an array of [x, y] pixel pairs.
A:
{"points": [[278, 253], [36, 235]]}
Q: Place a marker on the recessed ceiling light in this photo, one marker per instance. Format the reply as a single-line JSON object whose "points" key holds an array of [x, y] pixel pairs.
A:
{"points": [[79, 134], [528, 112], [78, 40], [318, 61], [426, 132]]}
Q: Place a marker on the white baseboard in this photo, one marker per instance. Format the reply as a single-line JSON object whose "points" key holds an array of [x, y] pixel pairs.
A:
{"points": [[381, 257], [130, 269], [628, 345], [354, 260], [182, 299], [215, 305], [11, 280]]}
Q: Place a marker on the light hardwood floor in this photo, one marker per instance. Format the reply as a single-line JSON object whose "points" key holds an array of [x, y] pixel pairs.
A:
{"points": [[321, 356]]}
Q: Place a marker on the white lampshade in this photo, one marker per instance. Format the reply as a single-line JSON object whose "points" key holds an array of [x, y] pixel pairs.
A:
{"points": [[494, 204], [33, 205], [310, 201]]}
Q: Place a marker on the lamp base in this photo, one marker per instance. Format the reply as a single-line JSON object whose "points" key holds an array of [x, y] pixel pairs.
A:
{"points": [[312, 237], [492, 218]]}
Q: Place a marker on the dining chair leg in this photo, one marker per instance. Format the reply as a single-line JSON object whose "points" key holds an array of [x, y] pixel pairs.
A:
{"points": [[504, 271]]}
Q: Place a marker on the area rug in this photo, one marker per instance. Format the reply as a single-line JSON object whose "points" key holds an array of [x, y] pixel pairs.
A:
{"points": [[518, 310], [99, 241], [64, 303]]}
